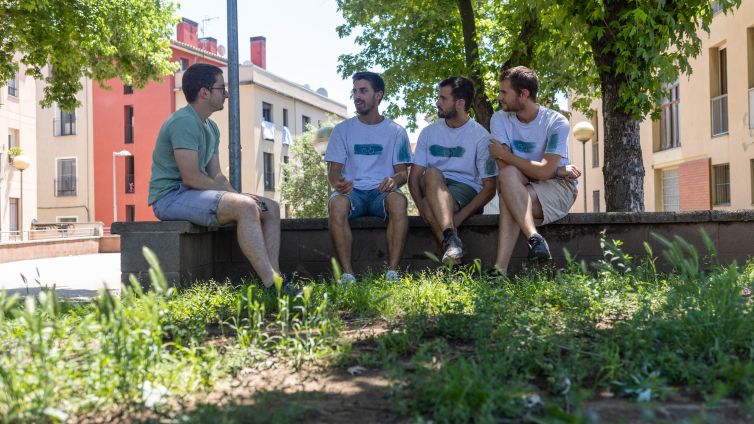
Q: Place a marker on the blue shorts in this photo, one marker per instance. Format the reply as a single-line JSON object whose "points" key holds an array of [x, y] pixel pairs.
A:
{"points": [[366, 202], [188, 204]]}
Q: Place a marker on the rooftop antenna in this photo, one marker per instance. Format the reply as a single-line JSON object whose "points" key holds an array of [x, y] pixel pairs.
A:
{"points": [[204, 23]]}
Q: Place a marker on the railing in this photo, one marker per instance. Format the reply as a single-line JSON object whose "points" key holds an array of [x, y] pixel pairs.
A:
{"points": [[64, 126], [720, 115], [54, 230], [65, 186]]}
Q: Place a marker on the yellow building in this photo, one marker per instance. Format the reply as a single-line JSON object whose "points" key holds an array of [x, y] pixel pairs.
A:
{"points": [[700, 154]]}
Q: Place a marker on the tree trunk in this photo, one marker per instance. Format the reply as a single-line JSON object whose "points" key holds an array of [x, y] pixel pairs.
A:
{"points": [[623, 169], [481, 104]]}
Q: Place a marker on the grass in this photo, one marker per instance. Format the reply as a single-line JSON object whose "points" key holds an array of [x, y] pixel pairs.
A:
{"points": [[460, 347]]}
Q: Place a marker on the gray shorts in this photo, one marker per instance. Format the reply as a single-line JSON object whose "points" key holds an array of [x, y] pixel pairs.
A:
{"points": [[188, 204], [556, 196]]}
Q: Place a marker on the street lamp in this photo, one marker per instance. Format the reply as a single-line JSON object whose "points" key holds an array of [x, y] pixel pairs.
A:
{"points": [[115, 195], [583, 131], [21, 162]]}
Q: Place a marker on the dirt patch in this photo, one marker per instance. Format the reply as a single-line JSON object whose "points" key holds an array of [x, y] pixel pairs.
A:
{"points": [[675, 410]]}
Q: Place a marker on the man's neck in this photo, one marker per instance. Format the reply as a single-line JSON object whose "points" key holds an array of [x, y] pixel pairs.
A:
{"points": [[373, 117], [202, 111], [529, 112], [457, 121]]}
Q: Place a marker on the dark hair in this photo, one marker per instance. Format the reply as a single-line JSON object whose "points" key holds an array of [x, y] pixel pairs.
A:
{"points": [[521, 77], [198, 76], [375, 80], [461, 88]]}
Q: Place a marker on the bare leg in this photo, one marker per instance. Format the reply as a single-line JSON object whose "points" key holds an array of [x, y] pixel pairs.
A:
{"points": [[397, 228], [439, 199], [340, 230], [244, 212], [429, 219], [271, 230]]}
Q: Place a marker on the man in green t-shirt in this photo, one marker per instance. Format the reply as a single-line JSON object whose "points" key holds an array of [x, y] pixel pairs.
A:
{"points": [[187, 183]]}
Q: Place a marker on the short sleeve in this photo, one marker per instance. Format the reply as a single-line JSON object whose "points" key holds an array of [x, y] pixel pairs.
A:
{"points": [[183, 135], [557, 137], [485, 165], [336, 148], [420, 154], [402, 148], [498, 128]]}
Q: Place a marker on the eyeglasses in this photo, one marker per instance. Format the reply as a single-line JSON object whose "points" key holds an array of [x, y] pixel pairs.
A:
{"points": [[222, 87]]}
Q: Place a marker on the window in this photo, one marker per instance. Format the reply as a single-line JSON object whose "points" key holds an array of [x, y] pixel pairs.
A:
{"points": [[595, 201], [719, 89], [305, 121], [13, 87], [129, 124], [285, 117], [127, 89], [669, 137], [671, 199], [14, 139], [267, 112], [184, 64], [721, 184], [65, 183], [64, 123], [269, 172], [130, 213], [13, 215], [596, 140], [67, 219], [129, 174]]}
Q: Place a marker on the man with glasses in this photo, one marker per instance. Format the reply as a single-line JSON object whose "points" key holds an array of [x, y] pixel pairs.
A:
{"points": [[187, 183]]}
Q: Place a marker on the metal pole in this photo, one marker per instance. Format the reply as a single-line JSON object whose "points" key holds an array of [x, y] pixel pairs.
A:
{"points": [[21, 212], [583, 151], [234, 114], [115, 202]]}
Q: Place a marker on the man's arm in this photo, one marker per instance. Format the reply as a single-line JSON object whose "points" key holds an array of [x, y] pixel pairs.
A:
{"points": [[538, 170], [188, 165], [397, 180], [482, 198], [336, 180], [414, 185]]}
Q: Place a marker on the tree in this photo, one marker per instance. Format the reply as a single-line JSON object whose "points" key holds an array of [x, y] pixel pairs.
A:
{"points": [[638, 48], [99, 39], [305, 186]]}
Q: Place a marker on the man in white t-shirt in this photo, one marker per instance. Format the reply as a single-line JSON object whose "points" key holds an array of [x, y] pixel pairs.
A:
{"points": [[537, 183], [368, 158], [452, 176]]}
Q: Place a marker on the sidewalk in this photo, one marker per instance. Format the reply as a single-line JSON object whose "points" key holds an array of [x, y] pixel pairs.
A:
{"points": [[74, 277]]}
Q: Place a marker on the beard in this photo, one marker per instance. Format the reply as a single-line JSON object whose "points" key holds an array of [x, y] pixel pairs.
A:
{"points": [[446, 114]]}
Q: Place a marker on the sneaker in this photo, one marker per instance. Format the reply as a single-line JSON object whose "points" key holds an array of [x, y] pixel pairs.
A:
{"points": [[538, 249], [286, 288], [392, 276], [347, 278], [495, 273], [453, 249]]}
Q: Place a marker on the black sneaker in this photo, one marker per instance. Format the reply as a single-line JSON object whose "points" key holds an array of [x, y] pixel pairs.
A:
{"points": [[453, 249], [538, 249]]}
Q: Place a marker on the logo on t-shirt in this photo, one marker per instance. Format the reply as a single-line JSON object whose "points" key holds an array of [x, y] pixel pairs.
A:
{"points": [[446, 152], [367, 149], [523, 146]]}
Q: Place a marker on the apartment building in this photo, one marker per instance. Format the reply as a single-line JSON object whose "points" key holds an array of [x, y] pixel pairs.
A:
{"points": [[700, 154], [18, 189]]}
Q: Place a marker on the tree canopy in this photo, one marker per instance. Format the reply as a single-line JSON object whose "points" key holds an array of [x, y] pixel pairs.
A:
{"points": [[99, 39]]}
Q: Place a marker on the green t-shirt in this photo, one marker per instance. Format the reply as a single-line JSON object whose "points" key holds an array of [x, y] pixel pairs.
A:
{"points": [[183, 130]]}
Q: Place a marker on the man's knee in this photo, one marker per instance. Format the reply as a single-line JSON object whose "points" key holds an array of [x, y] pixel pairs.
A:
{"points": [[396, 204], [273, 209], [239, 206], [510, 175], [339, 207]]}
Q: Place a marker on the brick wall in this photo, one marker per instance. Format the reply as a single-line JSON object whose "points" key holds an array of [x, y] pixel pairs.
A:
{"points": [[695, 185]]}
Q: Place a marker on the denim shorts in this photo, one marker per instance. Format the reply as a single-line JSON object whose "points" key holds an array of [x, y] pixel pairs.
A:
{"points": [[187, 204], [366, 202]]}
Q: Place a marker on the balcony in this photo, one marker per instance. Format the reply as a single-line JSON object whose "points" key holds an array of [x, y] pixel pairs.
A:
{"points": [[65, 186], [720, 115]]}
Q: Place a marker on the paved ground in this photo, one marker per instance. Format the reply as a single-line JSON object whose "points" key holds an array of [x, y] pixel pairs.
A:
{"points": [[73, 276]]}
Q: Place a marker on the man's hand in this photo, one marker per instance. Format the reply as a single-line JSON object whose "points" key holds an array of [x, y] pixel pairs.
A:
{"points": [[342, 186], [499, 150], [569, 172], [387, 185]]}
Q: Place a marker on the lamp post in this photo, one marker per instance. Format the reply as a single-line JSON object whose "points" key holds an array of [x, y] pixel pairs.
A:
{"points": [[115, 191], [21, 162], [583, 131]]}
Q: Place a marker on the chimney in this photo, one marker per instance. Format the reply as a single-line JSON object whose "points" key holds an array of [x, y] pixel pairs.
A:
{"points": [[259, 51], [186, 32], [209, 44]]}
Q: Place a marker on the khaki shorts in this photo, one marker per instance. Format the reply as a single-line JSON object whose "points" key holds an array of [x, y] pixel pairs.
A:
{"points": [[556, 196]]}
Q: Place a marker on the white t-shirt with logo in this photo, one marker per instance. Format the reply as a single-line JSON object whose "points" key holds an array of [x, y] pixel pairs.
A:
{"points": [[460, 153], [368, 152], [547, 133]]}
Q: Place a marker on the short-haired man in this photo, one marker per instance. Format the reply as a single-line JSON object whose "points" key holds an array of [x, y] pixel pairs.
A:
{"points": [[452, 176], [187, 183], [537, 184], [368, 157]]}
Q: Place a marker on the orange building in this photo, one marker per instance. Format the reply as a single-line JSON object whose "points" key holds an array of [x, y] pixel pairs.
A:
{"points": [[125, 127]]}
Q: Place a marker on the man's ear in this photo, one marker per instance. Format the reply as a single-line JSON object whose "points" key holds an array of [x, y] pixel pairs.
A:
{"points": [[525, 93], [380, 95]]}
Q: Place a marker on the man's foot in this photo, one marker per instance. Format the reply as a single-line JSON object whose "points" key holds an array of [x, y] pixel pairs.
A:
{"points": [[347, 278], [392, 276], [496, 273], [538, 249], [453, 248], [286, 287]]}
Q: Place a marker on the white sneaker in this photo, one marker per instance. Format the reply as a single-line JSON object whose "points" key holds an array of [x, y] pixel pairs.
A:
{"points": [[392, 276], [347, 278]]}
